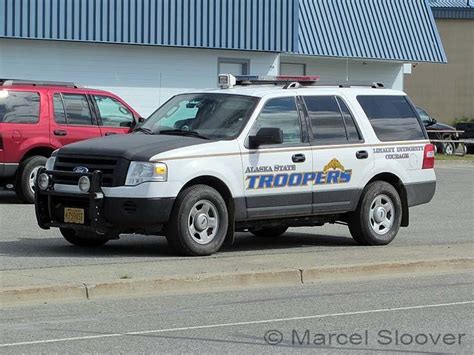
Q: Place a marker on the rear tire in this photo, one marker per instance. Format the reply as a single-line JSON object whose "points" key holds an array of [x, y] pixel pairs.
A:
{"points": [[83, 239], [449, 149], [269, 232], [26, 178], [378, 216], [199, 221]]}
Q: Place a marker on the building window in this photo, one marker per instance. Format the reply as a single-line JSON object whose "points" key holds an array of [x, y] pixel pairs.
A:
{"points": [[292, 69], [234, 66]]}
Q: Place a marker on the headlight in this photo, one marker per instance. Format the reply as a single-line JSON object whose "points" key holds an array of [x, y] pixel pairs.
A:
{"points": [[139, 172], [43, 181], [84, 184]]}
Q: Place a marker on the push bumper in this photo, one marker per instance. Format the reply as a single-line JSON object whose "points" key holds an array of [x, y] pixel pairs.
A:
{"points": [[102, 214]]}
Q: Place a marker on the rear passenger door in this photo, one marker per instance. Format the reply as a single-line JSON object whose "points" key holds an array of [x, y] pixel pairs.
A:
{"points": [[113, 116], [274, 175], [74, 118], [341, 159]]}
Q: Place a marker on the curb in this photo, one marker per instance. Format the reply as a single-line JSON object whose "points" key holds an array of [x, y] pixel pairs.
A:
{"points": [[222, 281]]}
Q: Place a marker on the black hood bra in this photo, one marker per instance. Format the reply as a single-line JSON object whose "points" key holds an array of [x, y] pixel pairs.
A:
{"points": [[136, 146]]}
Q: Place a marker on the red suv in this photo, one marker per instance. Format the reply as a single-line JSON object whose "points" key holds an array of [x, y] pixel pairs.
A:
{"points": [[38, 117]]}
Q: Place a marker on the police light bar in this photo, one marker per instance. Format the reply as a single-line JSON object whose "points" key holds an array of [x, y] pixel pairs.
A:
{"points": [[226, 81]]}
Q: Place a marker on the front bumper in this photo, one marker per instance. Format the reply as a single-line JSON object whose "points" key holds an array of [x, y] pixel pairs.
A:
{"points": [[102, 214]]}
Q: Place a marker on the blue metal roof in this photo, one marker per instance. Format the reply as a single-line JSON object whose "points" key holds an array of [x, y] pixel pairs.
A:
{"points": [[452, 3], [375, 29], [402, 30], [264, 25], [453, 9]]}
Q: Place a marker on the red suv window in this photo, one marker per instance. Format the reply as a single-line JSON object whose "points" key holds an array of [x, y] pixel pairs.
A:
{"points": [[72, 109], [19, 107], [112, 112]]}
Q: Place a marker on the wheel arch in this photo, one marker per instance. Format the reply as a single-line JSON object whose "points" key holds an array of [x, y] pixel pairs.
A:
{"points": [[397, 183], [43, 151]]}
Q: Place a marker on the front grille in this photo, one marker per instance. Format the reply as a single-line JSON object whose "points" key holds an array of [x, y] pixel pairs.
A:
{"points": [[112, 169]]}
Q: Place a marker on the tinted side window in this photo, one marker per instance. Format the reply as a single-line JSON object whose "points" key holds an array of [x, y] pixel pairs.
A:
{"points": [[77, 109], [59, 114], [326, 120], [351, 128], [112, 112], [392, 118], [280, 113], [19, 107]]}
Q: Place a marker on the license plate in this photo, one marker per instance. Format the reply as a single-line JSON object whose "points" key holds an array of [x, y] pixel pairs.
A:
{"points": [[74, 215]]}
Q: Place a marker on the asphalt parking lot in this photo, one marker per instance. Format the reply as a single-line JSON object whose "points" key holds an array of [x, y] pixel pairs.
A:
{"points": [[448, 219], [413, 313]]}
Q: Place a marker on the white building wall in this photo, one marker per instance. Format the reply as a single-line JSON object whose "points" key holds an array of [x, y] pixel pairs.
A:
{"points": [[144, 76], [340, 70]]}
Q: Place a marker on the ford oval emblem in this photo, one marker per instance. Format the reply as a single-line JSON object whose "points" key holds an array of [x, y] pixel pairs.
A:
{"points": [[80, 170]]}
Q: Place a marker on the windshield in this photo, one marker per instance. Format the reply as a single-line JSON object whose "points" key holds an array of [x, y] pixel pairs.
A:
{"points": [[423, 115], [213, 116]]}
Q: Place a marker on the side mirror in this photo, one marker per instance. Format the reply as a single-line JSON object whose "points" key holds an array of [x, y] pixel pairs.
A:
{"points": [[129, 124], [266, 136], [141, 120], [433, 120]]}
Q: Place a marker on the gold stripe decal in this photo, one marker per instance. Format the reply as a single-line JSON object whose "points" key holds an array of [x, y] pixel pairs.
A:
{"points": [[293, 149]]}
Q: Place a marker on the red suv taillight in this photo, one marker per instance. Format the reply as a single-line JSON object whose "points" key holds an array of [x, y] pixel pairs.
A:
{"points": [[429, 157]]}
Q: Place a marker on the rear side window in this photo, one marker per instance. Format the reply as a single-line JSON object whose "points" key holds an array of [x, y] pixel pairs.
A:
{"points": [[331, 120], [77, 109], [392, 118], [19, 107]]}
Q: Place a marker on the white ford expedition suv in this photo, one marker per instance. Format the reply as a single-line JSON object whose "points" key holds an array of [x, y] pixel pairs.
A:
{"points": [[255, 155]]}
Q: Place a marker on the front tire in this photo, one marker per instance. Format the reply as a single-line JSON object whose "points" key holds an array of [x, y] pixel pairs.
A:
{"points": [[83, 239], [378, 216], [26, 178], [269, 232], [199, 221]]}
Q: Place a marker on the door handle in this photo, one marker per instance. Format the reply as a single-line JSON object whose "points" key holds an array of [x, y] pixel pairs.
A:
{"points": [[362, 154], [60, 132], [298, 158], [110, 133]]}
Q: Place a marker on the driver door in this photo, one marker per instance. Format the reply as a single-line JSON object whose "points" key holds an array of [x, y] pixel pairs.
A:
{"points": [[276, 176]]}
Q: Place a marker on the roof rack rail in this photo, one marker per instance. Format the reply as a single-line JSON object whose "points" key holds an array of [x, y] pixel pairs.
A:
{"points": [[12, 82], [348, 84]]}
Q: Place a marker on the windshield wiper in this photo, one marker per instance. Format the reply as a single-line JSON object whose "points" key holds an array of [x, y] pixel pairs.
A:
{"points": [[143, 129], [183, 133]]}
